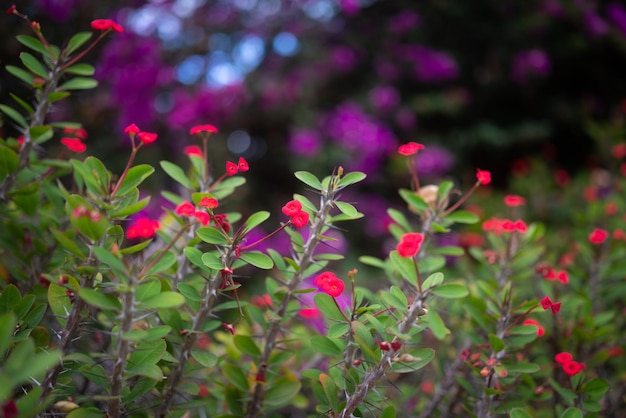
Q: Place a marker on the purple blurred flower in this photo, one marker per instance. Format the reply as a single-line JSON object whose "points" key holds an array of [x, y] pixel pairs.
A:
{"points": [[386, 70], [383, 98], [350, 7], [431, 65], [406, 119], [404, 22], [58, 10], [596, 26], [305, 142], [552, 8], [617, 14], [343, 58], [434, 161], [528, 64]]}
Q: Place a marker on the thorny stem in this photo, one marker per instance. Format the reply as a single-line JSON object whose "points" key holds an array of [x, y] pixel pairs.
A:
{"points": [[303, 261]]}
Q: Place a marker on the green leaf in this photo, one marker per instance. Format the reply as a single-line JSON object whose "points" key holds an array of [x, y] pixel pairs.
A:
{"points": [[448, 251], [309, 179], [246, 345], [413, 200], [99, 299], [462, 217], [66, 242], [282, 392], [595, 388], [107, 258], [189, 292], [81, 69], [166, 261], [165, 299], [443, 190], [147, 289], [436, 325], [77, 41], [33, 65], [131, 209], [347, 209], [257, 259], [194, 255], [234, 375], [205, 358], [256, 219], [399, 218], [572, 413], [212, 261], [373, 261], [134, 177], [388, 412], [151, 371], [9, 161], [28, 108], [328, 307], [7, 328], [433, 280], [212, 236], [147, 353], [79, 83], [41, 134], [496, 343], [133, 249], [519, 413], [9, 298], [525, 368], [176, 173], [23, 75], [15, 115], [32, 43], [405, 266], [451, 291], [351, 178], [330, 391], [327, 346], [55, 96]]}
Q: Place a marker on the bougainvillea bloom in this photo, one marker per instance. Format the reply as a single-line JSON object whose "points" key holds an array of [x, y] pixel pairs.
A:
{"points": [[185, 209], [483, 176], [409, 244], [132, 129], [514, 200], [300, 219], [410, 149], [193, 150], [292, 207], [231, 168], [147, 137], [106, 24], [202, 217], [208, 202], [143, 228], [243, 165], [202, 128], [563, 357], [572, 368], [74, 144], [598, 236], [534, 323]]}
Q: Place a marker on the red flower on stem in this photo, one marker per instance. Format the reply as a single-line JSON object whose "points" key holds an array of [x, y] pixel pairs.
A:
{"points": [[229, 327], [208, 202], [202, 217], [598, 236], [132, 129], [11, 9], [143, 228], [185, 209], [147, 137], [74, 144], [193, 150], [300, 219], [483, 176], [231, 168], [292, 207], [563, 357], [514, 200], [329, 283], [572, 368], [243, 165], [75, 132], [410, 244], [534, 323], [546, 303], [9, 409], [410, 148], [203, 128], [106, 24]]}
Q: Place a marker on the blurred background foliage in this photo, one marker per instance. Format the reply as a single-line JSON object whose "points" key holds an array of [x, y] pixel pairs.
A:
{"points": [[527, 89]]}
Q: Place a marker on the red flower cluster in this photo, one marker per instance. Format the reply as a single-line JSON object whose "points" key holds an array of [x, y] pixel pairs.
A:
{"points": [[483, 176], [298, 217], [498, 226], [513, 200], [74, 144], [208, 202], [551, 274], [410, 244], [188, 209], [534, 323], [106, 24], [203, 128], [598, 236], [570, 367], [145, 137], [410, 148], [232, 168], [143, 228], [546, 303], [329, 283]]}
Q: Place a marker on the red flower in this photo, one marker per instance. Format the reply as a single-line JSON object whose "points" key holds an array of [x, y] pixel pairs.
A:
{"points": [[300, 219], [143, 228], [484, 177], [132, 129], [222, 221], [309, 313], [520, 226], [75, 132], [292, 207], [322, 278], [193, 150], [562, 277], [410, 244], [508, 225], [186, 209], [555, 307], [106, 24], [231, 168], [208, 202], [229, 328], [203, 391], [514, 200], [147, 137], [410, 149], [563, 357], [202, 217], [261, 301], [546, 303], [333, 287], [74, 144], [618, 151], [202, 128], [11, 9], [243, 165], [384, 345], [9, 409], [535, 323], [396, 345], [572, 368], [598, 236]]}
